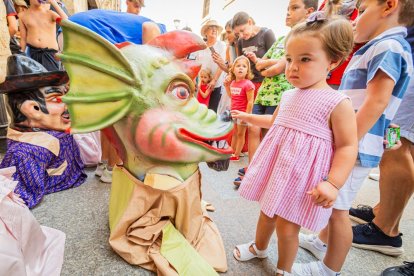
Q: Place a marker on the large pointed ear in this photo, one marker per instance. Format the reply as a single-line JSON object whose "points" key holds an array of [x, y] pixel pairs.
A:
{"points": [[102, 82]]}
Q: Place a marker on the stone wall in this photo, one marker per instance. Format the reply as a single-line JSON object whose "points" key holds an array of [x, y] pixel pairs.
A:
{"points": [[75, 6], [114, 5]]}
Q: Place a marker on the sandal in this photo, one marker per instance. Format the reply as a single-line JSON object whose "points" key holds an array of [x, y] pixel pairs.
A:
{"points": [[246, 255], [282, 272]]}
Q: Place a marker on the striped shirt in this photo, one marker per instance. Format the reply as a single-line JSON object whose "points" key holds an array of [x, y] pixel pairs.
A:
{"points": [[390, 53]]}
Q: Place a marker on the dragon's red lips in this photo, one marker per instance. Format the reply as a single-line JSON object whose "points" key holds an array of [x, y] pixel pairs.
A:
{"points": [[202, 141]]}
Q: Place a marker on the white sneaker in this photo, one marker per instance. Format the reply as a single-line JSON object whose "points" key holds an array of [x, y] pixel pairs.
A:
{"points": [[374, 176], [106, 176], [99, 169], [310, 243], [308, 269]]}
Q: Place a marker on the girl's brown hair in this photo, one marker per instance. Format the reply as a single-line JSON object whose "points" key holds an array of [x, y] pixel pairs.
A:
{"points": [[208, 73], [249, 75], [335, 32]]}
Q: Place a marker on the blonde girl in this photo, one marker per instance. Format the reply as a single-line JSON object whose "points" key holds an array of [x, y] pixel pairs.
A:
{"points": [[241, 92]]}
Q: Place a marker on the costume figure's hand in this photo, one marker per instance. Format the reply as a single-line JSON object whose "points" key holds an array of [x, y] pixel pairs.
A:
{"points": [[324, 194]]}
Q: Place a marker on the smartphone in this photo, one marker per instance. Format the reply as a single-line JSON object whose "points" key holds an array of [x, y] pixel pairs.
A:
{"points": [[191, 56], [212, 49], [392, 135]]}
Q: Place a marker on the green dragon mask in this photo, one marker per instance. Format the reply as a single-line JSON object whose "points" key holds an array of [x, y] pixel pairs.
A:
{"points": [[142, 96]]}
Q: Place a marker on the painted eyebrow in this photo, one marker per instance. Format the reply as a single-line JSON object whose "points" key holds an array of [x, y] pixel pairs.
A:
{"points": [[53, 90]]}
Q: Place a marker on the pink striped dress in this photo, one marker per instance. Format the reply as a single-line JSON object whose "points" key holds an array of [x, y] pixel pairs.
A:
{"points": [[293, 158]]}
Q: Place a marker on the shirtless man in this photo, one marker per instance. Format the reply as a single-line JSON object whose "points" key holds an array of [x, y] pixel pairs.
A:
{"points": [[38, 32]]}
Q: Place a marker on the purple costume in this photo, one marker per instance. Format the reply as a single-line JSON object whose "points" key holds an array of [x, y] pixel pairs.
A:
{"points": [[46, 162]]}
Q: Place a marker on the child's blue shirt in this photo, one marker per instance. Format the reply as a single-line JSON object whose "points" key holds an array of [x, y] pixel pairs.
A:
{"points": [[390, 53]]}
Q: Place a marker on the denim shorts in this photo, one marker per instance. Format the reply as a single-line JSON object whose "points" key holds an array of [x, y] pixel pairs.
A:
{"points": [[262, 110], [405, 114]]}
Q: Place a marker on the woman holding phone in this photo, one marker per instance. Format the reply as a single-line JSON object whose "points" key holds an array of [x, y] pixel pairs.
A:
{"points": [[253, 42], [210, 31]]}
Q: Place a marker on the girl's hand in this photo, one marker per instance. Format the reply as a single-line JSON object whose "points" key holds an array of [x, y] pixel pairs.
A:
{"points": [[324, 194], [251, 56], [227, 81], [236, 114]]}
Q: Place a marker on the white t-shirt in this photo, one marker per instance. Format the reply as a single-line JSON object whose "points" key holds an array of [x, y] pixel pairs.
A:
{"points": [[204, 57]]}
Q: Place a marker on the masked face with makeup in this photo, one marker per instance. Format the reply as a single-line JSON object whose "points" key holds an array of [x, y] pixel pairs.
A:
{"points": [[34, 96]]}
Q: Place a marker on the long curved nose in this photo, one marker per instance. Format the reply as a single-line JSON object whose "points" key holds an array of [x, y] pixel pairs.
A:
{"points": [[208, 122], [199, 112]]}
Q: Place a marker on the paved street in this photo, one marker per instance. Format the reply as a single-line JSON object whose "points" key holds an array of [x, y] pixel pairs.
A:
{"points": [[82, 214]]}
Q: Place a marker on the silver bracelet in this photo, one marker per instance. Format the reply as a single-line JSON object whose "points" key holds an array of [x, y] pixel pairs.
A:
{"points": [[326, 179]]}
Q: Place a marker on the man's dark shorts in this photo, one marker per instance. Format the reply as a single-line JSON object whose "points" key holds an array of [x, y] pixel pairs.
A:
{"points": [[263, 110]]}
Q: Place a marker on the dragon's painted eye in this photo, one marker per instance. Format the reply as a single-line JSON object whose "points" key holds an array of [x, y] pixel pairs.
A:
{"points": [[179, 90]]}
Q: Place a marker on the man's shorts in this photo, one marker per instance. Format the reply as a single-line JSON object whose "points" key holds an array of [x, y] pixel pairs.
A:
{"points": [[405, 114], [348, 192], [262, 110]]}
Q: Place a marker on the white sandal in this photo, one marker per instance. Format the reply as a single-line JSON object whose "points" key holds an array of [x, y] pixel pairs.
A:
{"points": [[246, 255], [284, 273]]}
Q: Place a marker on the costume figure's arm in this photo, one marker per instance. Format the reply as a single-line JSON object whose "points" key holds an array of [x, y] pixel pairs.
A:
{"points": [[31, 175]]}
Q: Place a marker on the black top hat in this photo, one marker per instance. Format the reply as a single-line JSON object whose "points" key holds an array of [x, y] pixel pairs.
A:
{"points": [[24, 73]]}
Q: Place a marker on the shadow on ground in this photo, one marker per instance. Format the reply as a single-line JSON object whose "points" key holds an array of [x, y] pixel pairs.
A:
{"points": [[82, 213]]}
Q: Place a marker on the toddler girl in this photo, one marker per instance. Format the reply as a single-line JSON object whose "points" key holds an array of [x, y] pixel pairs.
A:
{"points": [[204, 93], [241, 93], [310, 148]]}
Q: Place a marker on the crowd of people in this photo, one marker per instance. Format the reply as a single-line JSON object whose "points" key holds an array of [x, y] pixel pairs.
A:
{"points": [[310, 108], [304, 173]]}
